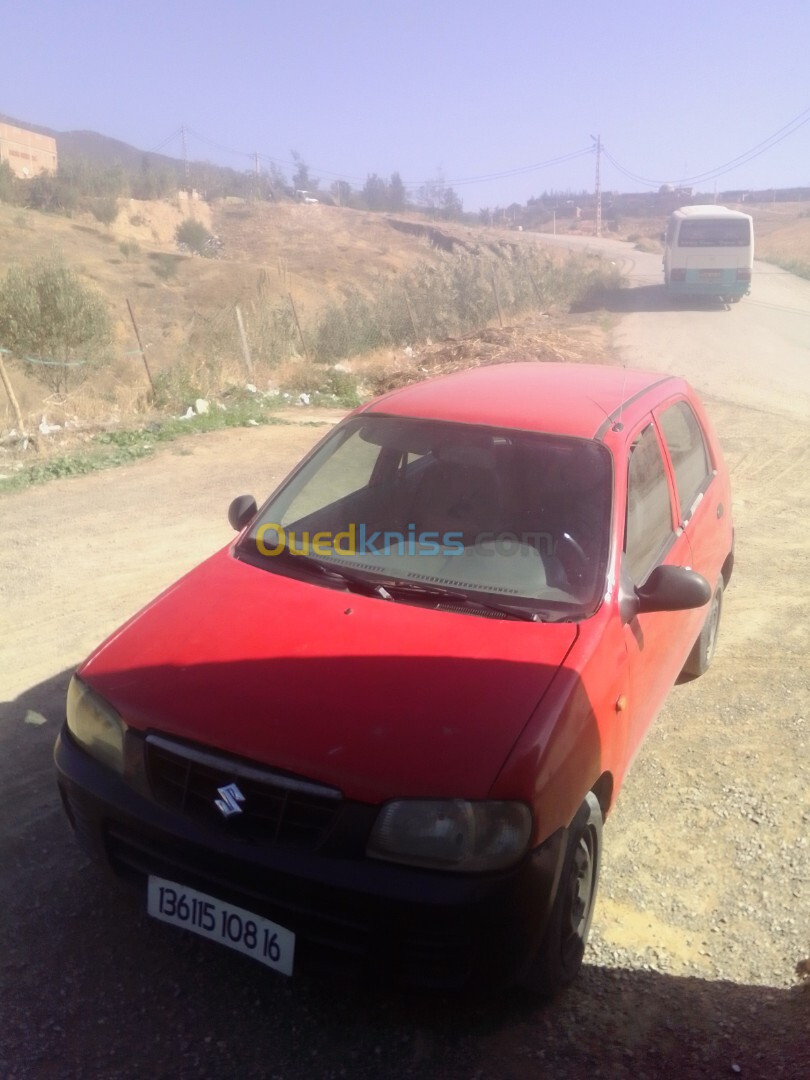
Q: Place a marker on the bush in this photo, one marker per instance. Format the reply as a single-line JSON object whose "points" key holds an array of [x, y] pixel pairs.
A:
{"points": [[8, 184], [104, 210], [48, 317], [193, 236], [165, 266]]}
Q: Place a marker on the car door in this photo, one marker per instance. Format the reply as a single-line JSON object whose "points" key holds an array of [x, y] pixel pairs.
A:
{"points": [[656, 642], [702, 502]]}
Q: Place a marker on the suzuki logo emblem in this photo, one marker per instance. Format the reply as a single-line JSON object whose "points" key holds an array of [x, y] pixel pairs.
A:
{"points": [[228, 803]]}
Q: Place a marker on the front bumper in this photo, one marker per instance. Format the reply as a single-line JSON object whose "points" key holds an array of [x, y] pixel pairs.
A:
{"points": [[725, 286], [366, 916]]}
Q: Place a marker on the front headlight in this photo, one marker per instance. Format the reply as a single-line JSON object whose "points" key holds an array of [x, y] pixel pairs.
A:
{"points": [[95, 725], [451, 834]]}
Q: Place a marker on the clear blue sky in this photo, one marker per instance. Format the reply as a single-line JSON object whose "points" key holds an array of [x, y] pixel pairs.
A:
{"points": [[442, 88]]}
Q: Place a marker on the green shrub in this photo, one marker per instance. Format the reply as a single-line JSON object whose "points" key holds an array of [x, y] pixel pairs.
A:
{"points": [[165, 266], [177, 387], [104, 210], [194, 236], [54, 322]]}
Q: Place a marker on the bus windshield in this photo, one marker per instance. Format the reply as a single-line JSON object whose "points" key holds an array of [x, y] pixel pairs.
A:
{"points": [[715, 232]]}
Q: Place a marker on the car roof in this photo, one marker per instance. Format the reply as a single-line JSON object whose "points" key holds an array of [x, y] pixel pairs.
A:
{"points": [[570, 399], [709, 210]]}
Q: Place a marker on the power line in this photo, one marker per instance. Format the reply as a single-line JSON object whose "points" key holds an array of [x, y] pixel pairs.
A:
{"points": [[165, 142], [504, 174], [329, 174], [720, 170]]}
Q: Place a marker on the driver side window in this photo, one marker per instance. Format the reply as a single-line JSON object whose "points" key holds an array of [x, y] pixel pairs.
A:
{"points": [[648, 527]]}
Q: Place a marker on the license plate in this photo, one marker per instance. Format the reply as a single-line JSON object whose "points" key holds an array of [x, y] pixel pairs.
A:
{"points": [[710, 275], [240, 930]]}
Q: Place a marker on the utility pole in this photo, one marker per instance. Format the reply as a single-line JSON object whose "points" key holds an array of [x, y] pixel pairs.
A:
{"points": [[185, 158], [598, 140]]}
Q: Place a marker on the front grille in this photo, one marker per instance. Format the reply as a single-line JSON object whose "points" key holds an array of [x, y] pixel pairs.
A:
{"points": [[277, 809]]}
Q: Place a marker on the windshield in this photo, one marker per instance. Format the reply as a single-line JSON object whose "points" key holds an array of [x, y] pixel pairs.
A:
{"points": [[715, 232], [491, 514]]}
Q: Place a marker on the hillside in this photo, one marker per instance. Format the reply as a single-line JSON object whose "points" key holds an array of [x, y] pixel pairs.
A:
{"points": [[277, 261], [313, 252], [271, 258]]}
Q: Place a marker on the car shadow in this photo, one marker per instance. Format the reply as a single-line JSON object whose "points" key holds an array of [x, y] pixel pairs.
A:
{"points": [[643, 298]]}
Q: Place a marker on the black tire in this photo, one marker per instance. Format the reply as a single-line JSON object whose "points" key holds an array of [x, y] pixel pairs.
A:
{"points": [[700, 658], [559, 957]]}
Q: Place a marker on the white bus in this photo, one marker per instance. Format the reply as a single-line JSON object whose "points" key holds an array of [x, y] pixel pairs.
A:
{"points": [[709, 251]]}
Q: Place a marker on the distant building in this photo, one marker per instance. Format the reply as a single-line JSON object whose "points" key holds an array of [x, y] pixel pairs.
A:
{"points": [[27, 152]]}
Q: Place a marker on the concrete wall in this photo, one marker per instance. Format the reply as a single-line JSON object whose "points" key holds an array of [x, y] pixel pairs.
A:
{"points": [[26, 152]]}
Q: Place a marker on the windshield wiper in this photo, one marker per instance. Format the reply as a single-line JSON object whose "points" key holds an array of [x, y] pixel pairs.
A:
{"points": [[339, 573], [308, 564], [435, 592]]}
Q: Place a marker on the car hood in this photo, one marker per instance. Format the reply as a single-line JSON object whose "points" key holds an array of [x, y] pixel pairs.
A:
{"points": [[378, 698]]}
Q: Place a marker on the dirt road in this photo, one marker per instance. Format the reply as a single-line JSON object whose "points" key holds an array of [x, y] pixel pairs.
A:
{"points": [[704, 908]]}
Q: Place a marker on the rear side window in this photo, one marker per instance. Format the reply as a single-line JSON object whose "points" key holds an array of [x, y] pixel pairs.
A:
{"points": [[648, 530], [715, 232], [687, 450]]}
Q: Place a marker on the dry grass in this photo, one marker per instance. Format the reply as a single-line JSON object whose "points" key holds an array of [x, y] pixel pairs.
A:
{"points": [[782, 233]]}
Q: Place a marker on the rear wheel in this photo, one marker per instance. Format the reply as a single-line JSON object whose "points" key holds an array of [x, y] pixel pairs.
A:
{"points": [[559, 957], [700, 657]]}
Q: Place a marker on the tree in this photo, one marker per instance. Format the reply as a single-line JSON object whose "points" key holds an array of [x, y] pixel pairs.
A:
{"points": [[153, 182], [375, 193], [430, 194], [397, 198], [49, 316], [301, 180], [451, 204], [341, 192], [47, 192]]}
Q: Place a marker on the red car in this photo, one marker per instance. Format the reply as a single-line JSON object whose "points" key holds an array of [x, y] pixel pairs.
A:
{"points": [[386, 723]]}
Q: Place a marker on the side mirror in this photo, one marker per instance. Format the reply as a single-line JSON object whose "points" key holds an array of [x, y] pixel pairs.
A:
{"points": [[673, 588], [241, 510]]}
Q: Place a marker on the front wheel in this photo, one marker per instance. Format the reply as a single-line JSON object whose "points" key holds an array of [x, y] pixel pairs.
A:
{"points": [[559, 957]]}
